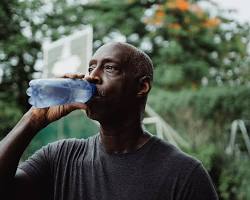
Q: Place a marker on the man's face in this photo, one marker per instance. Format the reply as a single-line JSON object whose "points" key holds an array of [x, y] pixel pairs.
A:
{"points": [[116, 87]]}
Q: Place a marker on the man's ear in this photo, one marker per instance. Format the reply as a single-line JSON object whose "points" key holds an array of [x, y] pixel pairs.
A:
{"points": [[144, 86]]}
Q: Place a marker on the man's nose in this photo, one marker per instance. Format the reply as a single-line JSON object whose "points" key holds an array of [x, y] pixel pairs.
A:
{"points": [[94, 76], [93, 79]]}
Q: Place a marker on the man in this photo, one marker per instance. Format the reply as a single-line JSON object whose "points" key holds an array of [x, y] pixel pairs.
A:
{"points": [[122, 162]]}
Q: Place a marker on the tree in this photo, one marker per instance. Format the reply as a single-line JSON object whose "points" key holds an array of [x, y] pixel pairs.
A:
{"points": [[187, 44]]}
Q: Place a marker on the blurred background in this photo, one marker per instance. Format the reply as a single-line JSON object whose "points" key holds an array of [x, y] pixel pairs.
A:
{"points": [[200, 100]]}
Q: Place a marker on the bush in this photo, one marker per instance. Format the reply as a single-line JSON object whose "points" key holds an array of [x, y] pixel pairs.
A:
{"points": [[206, 103], [209, 110], [234, 180]]}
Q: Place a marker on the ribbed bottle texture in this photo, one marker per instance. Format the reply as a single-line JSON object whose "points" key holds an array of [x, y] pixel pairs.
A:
{"points": [[50, 92]]}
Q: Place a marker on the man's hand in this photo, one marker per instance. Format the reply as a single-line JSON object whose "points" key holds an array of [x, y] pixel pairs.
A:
{"points": [[41, 117]]}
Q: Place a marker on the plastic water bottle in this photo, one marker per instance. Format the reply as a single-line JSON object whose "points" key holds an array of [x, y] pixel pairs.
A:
{"points": [[50, 92]]}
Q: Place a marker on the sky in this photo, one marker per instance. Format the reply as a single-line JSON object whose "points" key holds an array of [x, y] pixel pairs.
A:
{"points": [[242, 7]]}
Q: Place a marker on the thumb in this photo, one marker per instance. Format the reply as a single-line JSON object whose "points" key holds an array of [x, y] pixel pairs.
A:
{"points": [[75, 106]]}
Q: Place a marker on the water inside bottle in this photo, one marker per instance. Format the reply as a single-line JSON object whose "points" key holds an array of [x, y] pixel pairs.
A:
{"points": [[54, 95], [80, 95], [45, 96], [50, 92]]}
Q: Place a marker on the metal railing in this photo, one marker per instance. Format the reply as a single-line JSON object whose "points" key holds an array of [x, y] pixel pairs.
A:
{"points": [[238, 126], [163, 129]]}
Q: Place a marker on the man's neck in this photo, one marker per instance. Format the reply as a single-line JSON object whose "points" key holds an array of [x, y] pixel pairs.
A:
{"points": [[123, 139]]}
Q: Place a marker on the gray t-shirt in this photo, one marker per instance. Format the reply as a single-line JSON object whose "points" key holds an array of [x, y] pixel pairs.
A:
{"points": [[81, 169]]}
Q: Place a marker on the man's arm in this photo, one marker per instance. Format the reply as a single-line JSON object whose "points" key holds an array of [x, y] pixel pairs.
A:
{"points": [[12, 147], [14, 144], [24, 188], [17, 182]]}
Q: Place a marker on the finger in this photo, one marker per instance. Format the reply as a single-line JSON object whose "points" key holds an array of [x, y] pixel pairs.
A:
{"points": [[69, 75], [74, 76], [75, 106], [91, 79], [79, 105], [80, 76]]}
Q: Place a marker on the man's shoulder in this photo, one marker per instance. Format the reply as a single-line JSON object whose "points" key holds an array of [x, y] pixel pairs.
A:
{"points": [[182, 172], [173, 156]]}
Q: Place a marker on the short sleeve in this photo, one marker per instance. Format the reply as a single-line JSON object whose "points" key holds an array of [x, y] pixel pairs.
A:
{"points": [[199, 186], [39, 165]]}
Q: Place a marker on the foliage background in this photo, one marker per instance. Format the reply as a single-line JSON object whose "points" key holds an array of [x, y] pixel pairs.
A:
{"points": [[201, 59]]}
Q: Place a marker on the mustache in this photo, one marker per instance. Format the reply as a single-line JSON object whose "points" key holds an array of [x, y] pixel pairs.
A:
{"points": [[100, 93]]}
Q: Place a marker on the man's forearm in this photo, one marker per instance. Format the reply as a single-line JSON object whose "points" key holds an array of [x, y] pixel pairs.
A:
{"points": [[12, 147], [14, 144]]}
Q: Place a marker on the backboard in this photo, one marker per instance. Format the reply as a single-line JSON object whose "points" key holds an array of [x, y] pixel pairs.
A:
{"points": [[70, 54]]}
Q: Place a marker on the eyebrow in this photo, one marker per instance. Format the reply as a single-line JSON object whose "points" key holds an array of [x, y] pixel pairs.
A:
{"points": [[105, 60]]}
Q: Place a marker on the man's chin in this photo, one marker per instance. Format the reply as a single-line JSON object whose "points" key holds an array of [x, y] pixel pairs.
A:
{"points": [[92, 114]]}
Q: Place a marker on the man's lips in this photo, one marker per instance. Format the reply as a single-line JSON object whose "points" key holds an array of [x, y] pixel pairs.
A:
{"points": [[98, 95]]}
